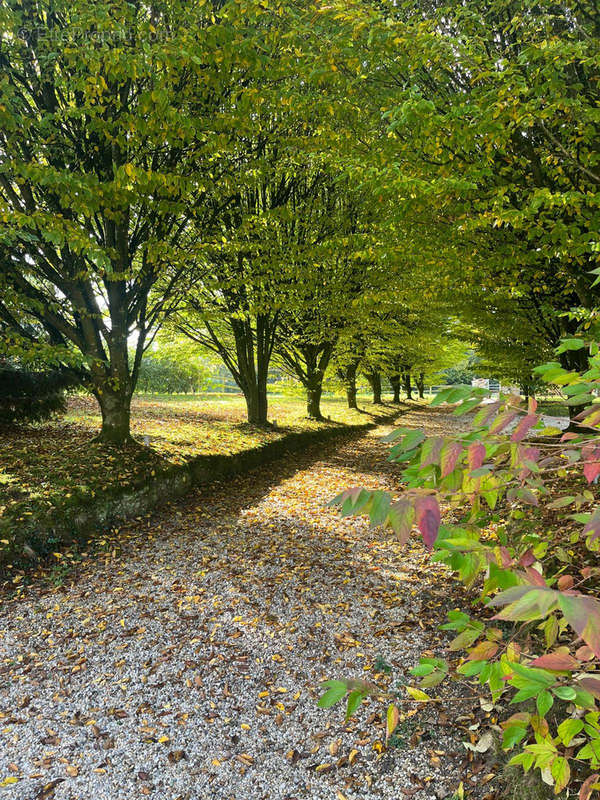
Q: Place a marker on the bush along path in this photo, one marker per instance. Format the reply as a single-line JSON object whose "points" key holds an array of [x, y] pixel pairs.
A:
{"points": [[186, 660]]}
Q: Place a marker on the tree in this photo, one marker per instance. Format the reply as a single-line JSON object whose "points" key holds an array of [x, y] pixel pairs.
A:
{"points": [[341, 264], [503, 103], [174, 365], [115, 159], [544, 596], [246, 278]]}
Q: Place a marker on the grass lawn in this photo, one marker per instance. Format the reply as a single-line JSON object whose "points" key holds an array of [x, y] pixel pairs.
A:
{"points": [[57, 464]]}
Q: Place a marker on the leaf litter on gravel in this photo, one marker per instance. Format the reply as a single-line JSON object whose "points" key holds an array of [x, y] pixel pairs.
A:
{"points": [[186, 662]]}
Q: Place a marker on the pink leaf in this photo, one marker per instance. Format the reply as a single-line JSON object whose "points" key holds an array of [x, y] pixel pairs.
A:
{"points": [[503, 421], [591, 456], [584, 653], [476, 455], [582, 612], [591, 685], [428, 518], [527, 559], [485, 413], [523, 428], [401, 517], [450, 455], [535, 577], [532, 405], [568, 437], [431, 451], [587, 787], [506, 559], [559, 660]]}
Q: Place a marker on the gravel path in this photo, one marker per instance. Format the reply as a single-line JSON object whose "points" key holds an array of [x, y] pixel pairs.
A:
{"points": [[187, 665]]}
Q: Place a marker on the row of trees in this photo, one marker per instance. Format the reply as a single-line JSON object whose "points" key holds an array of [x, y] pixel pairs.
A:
{"points": [[338, 183], [190, 168]]}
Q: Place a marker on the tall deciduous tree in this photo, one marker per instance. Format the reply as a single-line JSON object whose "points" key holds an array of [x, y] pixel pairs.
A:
{"points": [[115, 153]]}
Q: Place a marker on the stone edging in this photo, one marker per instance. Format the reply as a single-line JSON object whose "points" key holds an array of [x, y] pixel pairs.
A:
{"points": [[37, 538]]}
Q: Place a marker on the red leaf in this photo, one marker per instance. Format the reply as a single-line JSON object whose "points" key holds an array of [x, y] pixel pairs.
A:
{"points": [[483, 651], [476, 455], [428, 518], [591, 685], [582, 612], [506, 559], [565, 582], [592, 526], [532, 405], [535, 577], [524, 426], [401, 517], [584, 653], [557, 660], [591, 456], [503, 421], [567, 437], [527, 559], [587, 787], [450, 455], [431, 450]]}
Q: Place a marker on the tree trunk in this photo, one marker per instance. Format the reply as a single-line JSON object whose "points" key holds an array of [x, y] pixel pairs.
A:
{"points": [[252, 367], [350, 381], [256, 403], [313, 401], [374, 379], [316, 359], [420, 381], [351, 396], [407, 385], [313, 383], [116, 415], [395, 384]]}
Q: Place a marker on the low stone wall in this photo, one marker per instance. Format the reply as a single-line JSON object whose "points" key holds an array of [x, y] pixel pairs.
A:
{"points": [[37, 537]]}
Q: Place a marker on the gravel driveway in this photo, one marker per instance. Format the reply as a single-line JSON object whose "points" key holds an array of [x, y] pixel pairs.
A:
{"points": [[187, 664]]}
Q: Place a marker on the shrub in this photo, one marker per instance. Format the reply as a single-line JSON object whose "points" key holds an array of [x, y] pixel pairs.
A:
{"points": [[526, 535], [32, 396]]}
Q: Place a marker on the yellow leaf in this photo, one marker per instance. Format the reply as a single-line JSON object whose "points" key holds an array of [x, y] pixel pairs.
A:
{"points": [[392, 719], [417, 694]]}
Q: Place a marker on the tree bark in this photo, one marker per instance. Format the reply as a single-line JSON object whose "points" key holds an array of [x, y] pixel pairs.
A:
{"points": [[255, 395], [407, 385], [374, 379], [577, 360], [116, 415], [350, 381], [395, 384], [253, 366], [313, 401], [420, 381], [316, 360]]}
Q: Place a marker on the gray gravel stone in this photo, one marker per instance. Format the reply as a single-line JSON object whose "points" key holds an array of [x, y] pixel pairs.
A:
{"points": [[188, 666]]}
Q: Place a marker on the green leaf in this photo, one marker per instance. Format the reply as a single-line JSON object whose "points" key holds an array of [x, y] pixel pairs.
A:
{"points": [[355, 698], [335, 692], [544, 703], [561, 773], [568, 729], [565, 692], [513, 735]]}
